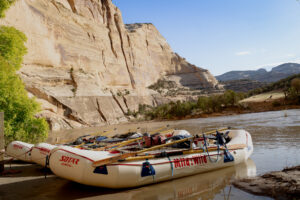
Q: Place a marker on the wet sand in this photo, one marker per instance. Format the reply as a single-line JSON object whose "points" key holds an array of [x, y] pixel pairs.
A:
{"points": [[31, 184]]}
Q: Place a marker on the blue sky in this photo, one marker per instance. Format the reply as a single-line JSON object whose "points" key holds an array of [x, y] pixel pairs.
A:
{"points": [[224, 35]]}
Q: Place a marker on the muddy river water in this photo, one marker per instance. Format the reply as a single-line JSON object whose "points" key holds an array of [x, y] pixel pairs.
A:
{"points": [[276, 137]]}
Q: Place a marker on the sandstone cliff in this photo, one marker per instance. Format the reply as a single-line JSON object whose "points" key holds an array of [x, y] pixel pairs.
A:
{"points": [[87, 68]]}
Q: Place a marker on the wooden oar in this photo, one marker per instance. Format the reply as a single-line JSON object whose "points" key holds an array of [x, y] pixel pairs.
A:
{"points": [[229, 147], [124, 143], [126, 155]]}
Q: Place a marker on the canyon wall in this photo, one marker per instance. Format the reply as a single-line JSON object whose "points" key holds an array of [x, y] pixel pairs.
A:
{"points": [[87, 68]]}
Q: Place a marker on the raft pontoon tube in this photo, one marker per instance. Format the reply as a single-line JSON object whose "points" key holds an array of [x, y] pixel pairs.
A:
{"points": [[20, 150], [40, 152], [77, 165]]}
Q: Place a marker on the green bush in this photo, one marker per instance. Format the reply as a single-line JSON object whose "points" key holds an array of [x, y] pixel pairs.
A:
{"points": [[215, 103], [19, 109], [4, 5], [12, 46], [283, 84], [203, 104], [295, 83]]}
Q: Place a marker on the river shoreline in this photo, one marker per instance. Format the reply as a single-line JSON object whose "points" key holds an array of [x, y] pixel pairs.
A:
{"points": [[245, 108], [276, 142], [64, 136], [283, 184]]}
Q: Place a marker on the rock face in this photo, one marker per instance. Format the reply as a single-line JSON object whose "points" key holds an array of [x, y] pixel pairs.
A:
{"points": [[262, 75], [87, 68], [283, 184]]}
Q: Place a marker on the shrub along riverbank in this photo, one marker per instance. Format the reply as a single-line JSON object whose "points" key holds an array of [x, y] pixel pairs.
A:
{"points": [[19, 110], [227, 103], [210, 104]]}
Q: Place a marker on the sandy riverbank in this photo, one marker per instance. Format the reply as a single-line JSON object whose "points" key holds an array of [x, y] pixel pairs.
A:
{"points": [[283, 184]]}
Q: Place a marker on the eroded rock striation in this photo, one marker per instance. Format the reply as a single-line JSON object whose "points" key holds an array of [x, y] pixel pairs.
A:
{"points": [[87, 68]]}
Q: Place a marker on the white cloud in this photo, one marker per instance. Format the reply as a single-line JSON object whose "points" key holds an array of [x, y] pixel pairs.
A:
{"points": [[243, 53]]}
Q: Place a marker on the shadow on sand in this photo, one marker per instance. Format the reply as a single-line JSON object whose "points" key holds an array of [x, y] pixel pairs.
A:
{"points": [[201, 185]]}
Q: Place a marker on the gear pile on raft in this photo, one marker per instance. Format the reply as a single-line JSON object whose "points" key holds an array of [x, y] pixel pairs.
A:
{"points": [[134, 159]]}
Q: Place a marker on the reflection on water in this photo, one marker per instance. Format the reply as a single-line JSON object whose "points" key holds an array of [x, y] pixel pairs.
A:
{"points": [[276, 141], [276, 138], [201, 186]]}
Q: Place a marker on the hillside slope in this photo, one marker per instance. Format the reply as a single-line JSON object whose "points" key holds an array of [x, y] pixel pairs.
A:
{"points": [[277, 73]]}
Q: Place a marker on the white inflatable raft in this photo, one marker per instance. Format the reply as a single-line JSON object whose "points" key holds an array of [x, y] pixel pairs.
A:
{"points": [[20, 150], [39, 153], [29, 152], [76, 165]]}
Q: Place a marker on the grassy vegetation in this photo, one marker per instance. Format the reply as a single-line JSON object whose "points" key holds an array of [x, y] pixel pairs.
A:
{"points": [[20, 121], [290, 86], [218, 103], [283, 84], [12, 46], [162, 84], [215, 103], [4, 5]]}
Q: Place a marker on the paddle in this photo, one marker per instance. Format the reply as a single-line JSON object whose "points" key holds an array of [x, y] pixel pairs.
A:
{"points": [[126, 155], [214, 148]]}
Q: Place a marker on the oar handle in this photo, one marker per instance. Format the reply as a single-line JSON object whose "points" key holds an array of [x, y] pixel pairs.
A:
{"points": [[167, 144], [126, 155]]}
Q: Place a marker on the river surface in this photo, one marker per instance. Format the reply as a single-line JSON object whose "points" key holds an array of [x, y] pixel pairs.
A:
{"points": [[276, 138]]}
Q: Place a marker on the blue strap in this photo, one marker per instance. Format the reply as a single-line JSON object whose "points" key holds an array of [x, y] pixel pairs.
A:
{"points": [[171, 165]]}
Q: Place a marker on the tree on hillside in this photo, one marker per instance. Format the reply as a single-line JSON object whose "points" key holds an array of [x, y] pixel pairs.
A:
{"points": [[12, 46], [295, 83], [20, 121], [5, 4]]}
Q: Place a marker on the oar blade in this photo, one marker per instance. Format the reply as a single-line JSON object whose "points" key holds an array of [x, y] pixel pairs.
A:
{"points": [[112, 159]]}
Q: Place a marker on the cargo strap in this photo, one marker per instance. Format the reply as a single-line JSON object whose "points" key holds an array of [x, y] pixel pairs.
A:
{"points": [[171, 163], [46, 165]]}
